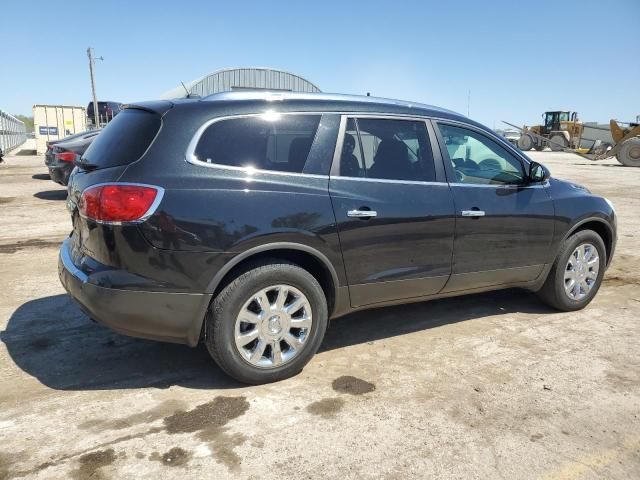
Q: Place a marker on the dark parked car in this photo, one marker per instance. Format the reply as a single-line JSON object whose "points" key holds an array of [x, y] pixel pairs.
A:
{"points": [[61, 155], [48, 156], [106, 112], [246, 220]]}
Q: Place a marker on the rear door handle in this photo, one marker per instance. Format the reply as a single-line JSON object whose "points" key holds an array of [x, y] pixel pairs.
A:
{"points": [[362, 213], [473, 213]]}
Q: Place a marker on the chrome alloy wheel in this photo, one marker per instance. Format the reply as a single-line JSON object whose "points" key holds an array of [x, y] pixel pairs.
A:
{"points": [[581, 272], [273, 326]]}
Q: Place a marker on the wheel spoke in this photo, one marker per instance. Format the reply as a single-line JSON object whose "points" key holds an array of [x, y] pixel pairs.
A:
{"points": [[575, 290], [584, 288], [304, 322], [283, 293], [570, 285], [277, 353], [292, 340], [295, 306], [249, 317], [259, 351], [248, 337], [263, 301]]}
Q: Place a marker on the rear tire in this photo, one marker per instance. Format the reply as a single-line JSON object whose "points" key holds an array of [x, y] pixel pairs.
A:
{"points": [[556, 290], [539, 148], [629, 153], [255, 305]]}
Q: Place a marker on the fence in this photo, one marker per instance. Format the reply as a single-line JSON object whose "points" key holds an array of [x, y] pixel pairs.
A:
{"points": [[12, 132]]}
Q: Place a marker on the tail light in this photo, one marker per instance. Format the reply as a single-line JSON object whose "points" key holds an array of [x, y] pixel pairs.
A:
{"points": [[119, 202], [65, 156]]}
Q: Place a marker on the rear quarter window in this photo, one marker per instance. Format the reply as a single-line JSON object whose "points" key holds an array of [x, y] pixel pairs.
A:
{"points": [[124, 140], [267, 142]]}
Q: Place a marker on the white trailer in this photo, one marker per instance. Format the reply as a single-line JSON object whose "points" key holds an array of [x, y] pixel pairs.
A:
{"points": [[55, 122]]}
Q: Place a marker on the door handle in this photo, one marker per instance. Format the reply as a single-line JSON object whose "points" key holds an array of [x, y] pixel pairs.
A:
{"points": [[473, 213], [362, 213]]}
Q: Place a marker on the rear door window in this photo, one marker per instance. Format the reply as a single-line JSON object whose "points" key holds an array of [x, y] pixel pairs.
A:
{"points": [[124, 140], [267, 142], [387, 149]]}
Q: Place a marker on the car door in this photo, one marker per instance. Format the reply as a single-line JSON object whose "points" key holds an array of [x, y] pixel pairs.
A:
{"points": [[393, 207], [504, 224]]}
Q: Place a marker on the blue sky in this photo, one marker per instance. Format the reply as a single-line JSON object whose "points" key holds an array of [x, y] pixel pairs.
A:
{"points": [[517, 58]]}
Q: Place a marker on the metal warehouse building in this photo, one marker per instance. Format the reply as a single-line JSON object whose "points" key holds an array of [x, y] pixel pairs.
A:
{"points": [[243, 79]]}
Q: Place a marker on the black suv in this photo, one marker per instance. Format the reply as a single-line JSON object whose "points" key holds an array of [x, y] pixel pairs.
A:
{"points": [[106, 112], [246, 220]]}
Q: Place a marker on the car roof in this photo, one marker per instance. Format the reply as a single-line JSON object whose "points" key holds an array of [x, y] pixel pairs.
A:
{"points": [[341, 102], [250, 101]]}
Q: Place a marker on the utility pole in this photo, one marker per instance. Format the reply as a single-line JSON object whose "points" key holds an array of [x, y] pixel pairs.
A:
{"points": [[92, 62], [468, 101]]}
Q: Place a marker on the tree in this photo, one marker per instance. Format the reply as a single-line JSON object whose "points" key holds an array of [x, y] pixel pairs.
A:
{"points": [[28, 122]]}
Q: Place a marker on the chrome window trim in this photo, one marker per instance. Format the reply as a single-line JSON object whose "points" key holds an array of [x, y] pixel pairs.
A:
{"points": [[501, 185], [190, 154], [191, 158], [193, 143], [386, 180], [150, 211]]}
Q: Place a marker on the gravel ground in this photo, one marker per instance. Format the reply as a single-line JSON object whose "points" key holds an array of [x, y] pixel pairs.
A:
{"points": [[485, 386]]}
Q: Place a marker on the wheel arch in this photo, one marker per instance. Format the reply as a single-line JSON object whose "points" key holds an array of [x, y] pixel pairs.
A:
{"points": [[598, 225], [304, 256]]}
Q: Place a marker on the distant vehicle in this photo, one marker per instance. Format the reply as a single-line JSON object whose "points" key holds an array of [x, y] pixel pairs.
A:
{"points": [[106, 111], [563, 129], [246, 223], [48, 156], [61, 155]]}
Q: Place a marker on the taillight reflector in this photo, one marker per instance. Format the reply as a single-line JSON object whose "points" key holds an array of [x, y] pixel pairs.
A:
{"points": [[117, 203]]}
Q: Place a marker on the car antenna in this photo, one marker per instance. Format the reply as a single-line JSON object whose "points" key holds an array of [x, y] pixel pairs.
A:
{"points": [[185, 89]]}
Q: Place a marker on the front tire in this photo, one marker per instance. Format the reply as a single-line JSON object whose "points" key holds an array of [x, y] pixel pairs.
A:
{"points": [[576, 275], [525, 142], [267, 323], [557, 143]]}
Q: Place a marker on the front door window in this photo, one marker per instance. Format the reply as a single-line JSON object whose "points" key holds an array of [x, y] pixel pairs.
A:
{"points": [[477, 159]]}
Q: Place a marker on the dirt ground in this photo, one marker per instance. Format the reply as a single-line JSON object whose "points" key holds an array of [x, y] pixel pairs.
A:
{"points": [[486, 386]]}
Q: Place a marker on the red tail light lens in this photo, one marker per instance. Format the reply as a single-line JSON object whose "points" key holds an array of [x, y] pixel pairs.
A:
{"points": [[66, 156], [117, 203]]}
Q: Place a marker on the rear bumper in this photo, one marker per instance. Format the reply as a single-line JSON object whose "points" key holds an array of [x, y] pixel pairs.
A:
{"points": [[60, 173], [169, 317]]}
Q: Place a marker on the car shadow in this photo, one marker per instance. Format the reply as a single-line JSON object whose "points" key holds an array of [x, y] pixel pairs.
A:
{"points": [[41, 176], [371, 325], [51, 339], [26, 153], [51, 195]]}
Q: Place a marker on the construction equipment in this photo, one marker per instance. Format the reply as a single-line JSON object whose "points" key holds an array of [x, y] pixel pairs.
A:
{"points": [[568, 138], [562, 128]]}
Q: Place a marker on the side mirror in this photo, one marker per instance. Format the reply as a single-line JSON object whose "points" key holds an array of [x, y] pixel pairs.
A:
{"points": [[538, 173]]}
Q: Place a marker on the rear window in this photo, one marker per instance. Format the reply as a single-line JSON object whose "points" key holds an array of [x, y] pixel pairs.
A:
{"points": [[267, 142], [124, 140]]}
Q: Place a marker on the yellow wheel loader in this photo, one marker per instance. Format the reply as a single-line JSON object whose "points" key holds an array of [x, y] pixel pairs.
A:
{"points": [[563, 131], [562, 128]]}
